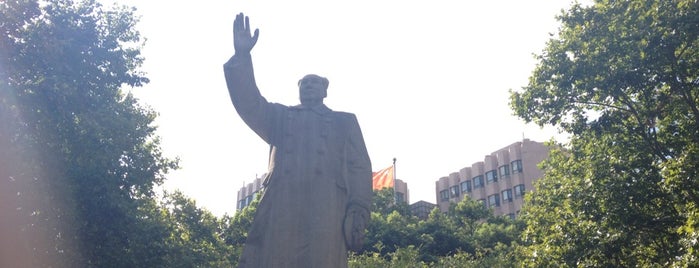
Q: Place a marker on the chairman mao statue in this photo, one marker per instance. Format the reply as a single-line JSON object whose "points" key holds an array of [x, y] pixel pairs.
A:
{"points": [[318, 190]]}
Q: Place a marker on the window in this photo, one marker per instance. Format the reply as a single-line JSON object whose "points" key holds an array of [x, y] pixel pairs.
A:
{"points": [[400, 197], [454, 191], [466, 187], [478, 182], [504, 171], [494, 200], [491, 176], [519, 190], [246, 201], [511, 215], [507, 195], [482, 201], [444, 195], [516, 166]]}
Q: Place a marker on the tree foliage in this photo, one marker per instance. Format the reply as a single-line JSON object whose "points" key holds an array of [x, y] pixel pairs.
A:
{"points": [[79, 158], [623, 78], [236, 228], [391, 226], [197, 237], [467, 234]]}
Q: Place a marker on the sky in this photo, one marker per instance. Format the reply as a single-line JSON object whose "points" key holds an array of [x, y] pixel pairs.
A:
{"points": [[429, 81]]}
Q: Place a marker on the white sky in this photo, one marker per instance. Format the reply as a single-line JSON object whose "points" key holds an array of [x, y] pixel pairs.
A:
{"points": [[428, 81]]}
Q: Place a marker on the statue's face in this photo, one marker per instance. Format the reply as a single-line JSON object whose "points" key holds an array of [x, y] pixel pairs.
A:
{"points": [[312, 90]]}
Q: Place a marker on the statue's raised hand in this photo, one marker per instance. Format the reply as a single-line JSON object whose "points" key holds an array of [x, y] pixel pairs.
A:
{"points": [[242, 40]]}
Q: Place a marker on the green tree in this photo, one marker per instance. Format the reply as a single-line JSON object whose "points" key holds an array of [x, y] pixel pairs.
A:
{"points": [[384, 202], [386, 233], [439, 236], [466, 236], [236, 228], [622, 77], [468, 214], [391, 226], [407, 257], [467, 229], [79, 158], [497, 230], [196, 235]]}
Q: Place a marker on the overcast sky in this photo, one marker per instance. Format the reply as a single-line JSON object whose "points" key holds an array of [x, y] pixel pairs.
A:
{"points": [[428, 81]]}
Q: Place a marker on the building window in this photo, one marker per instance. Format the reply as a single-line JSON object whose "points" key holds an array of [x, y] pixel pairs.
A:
{"points": [[519, 190], [504, 171], [491, 176], [478, 182], [494, 200], [466, 187], [511, 215], [454, 191], [507, 195], [482, 201], [400, 197], [444, 195], [516, 166]]}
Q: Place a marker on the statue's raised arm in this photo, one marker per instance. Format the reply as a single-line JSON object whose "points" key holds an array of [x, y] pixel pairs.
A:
{"points": [[240, 80]]}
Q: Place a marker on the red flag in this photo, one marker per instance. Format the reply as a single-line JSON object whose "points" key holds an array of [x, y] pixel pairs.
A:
{"points": [[383, 178]]}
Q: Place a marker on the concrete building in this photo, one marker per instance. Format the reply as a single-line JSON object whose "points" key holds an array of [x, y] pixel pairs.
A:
{"points": [[401, 190], [499, 181], [421, 209], [248, 192]]}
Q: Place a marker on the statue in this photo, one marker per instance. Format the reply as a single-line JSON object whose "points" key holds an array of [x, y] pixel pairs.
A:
{"points": [[317, 196]]}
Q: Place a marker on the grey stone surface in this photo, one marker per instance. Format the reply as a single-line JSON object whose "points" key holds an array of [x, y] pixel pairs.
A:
{"points": [[318, 190]]}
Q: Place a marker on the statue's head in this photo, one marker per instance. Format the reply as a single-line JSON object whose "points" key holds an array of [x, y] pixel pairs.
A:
{"points": [[313, 89]]}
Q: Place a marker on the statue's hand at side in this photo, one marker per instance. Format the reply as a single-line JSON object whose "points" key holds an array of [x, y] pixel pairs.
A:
{"points": [[356, 218], [243, 42]]}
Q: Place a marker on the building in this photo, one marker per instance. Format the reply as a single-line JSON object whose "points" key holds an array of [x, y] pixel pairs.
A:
{"points": [[422, 209], [499, 182], [401, 190], [248, 192]]}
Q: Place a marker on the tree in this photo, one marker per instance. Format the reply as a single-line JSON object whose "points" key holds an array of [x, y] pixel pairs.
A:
{"points": [[197, 236], [79, 158], [236, 228], [391, 225], [622, 77], [439, 236], [469, 214], [466, 236], [384, 202]]}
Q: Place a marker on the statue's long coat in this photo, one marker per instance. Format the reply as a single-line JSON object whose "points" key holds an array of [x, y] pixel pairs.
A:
{"points": [[318, 164]]}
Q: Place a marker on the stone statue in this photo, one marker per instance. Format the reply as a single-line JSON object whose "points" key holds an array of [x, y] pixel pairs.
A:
{"points": [[318, 190]]}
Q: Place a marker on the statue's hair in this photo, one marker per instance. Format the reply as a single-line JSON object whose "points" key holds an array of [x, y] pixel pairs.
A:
{"points": [[326, 82]]}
